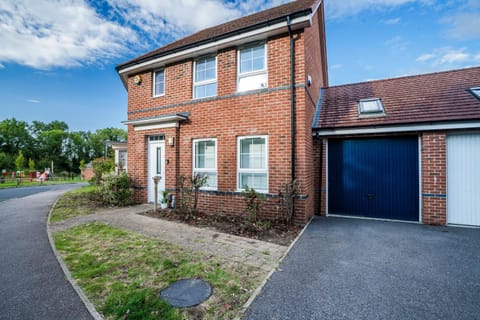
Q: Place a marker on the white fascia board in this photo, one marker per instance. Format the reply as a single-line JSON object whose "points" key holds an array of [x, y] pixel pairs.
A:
{"points": [[167, 119], [399, 129], [156, 126], [254, 35]]}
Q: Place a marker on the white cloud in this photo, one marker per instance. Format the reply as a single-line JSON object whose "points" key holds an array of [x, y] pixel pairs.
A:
{"points": [[44, 34], [172, 18], [392, 21], [33, 100], [344, 8], [454, 57], [425, 57], [447, 56], [166, 20], [336, 66], [463, 25]]}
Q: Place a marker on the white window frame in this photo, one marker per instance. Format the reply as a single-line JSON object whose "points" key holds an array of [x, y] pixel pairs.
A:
{"points": [[240, 170], [475, 91], [252, 73], [210, 170], [154, 80], [205, 82]]}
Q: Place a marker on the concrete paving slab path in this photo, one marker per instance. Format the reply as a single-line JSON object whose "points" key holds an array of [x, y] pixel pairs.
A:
{"points": [[261, 254]]}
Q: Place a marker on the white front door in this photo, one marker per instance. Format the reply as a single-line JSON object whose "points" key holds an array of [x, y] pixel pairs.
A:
{"points": [[156, 167]]}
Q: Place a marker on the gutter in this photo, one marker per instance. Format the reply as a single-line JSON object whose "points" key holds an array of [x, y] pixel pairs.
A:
{"points": [[397, 128], [292, 105]]}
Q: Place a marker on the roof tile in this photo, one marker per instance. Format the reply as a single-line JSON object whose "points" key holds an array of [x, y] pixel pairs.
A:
{"points": [[434, 97]]}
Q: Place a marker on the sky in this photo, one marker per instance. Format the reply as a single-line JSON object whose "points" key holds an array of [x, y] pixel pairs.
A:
{"points": [[58, 57]]}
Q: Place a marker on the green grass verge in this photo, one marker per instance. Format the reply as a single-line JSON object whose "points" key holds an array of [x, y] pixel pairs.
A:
{"points": [[27, 183], [74, 203], [122, 273]]}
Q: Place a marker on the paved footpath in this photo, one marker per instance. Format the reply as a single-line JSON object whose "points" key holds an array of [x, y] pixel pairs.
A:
{"points": [[261, 254], [32, 283]]}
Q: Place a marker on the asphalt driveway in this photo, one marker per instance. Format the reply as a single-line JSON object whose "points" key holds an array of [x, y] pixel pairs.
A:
{"points": [[362, 269]]}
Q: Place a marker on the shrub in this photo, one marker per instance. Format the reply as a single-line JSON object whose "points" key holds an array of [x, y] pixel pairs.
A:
{"points": [[188, 193], [286, 200], [253, 204], [101, 166], [116, 190]]}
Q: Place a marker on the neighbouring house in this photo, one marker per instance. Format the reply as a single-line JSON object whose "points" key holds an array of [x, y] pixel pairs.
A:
{"points": [[247, 103], [120, 156], [87, 173], [234, 102], [404, 148]]}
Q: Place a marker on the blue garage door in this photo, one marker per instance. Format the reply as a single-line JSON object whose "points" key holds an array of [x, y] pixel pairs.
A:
{"points": [[375, 177]]}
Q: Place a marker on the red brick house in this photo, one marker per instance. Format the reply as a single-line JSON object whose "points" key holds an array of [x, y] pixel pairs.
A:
{"points": [[405, 148], [235, 102], [248, 103]]}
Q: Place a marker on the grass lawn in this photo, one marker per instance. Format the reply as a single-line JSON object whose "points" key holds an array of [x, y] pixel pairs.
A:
{"points": [[74, 203], [122, 273]]}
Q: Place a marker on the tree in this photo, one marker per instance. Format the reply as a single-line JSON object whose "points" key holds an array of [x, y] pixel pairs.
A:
{"points": [[31, 165], [6, 161], [14, 136], [100, 137], [19, 161]]}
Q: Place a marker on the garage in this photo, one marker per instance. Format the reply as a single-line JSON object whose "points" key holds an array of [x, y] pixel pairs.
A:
{"points": [[463, 179], [374, 177]]}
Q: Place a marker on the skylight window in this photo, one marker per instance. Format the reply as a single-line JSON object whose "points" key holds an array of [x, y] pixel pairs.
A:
{"points": [[476, 92], [370, 107]]}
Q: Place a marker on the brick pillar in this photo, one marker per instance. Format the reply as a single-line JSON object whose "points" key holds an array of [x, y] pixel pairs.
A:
{"points": [[434, 178], [323, 179]]}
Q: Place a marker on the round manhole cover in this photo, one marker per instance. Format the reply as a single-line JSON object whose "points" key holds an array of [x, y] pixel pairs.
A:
{"points": [[186, 292]]}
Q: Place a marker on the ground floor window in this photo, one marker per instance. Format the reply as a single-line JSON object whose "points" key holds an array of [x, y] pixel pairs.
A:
{"points": [[205, 160], [252, 164]]}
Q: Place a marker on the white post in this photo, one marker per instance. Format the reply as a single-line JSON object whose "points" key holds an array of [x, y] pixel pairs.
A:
{"points": [[156, 180]]}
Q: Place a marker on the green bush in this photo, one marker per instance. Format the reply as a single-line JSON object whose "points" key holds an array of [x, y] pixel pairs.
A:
{"points": [[101, 166], [253, 204], [116, 190]]}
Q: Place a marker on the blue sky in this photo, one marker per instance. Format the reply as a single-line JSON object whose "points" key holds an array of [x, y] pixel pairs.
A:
{"points": [[57, 58]]}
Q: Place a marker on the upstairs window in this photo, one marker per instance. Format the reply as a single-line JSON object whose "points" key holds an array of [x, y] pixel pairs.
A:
{"points": [[205, 161], [252, 166], [159, 83], [476, 92], [205, 78], [372, 106], [252, 68]]}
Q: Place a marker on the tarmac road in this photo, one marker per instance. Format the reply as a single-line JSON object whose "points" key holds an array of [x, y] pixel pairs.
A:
{"points": [[32, 283]]}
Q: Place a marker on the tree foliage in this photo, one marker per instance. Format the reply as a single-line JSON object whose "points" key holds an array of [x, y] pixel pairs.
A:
{"points": [[45, 143]]}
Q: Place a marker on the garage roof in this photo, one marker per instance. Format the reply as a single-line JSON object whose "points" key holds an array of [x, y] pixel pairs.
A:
{"points": [[435, 97]]}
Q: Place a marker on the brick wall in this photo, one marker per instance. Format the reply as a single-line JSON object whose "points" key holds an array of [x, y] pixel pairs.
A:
{"points": [[315, 67], [434, 178], [226, 117]]}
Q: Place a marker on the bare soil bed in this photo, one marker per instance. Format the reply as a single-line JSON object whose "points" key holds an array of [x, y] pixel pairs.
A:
{"points": [[270, 231]]}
